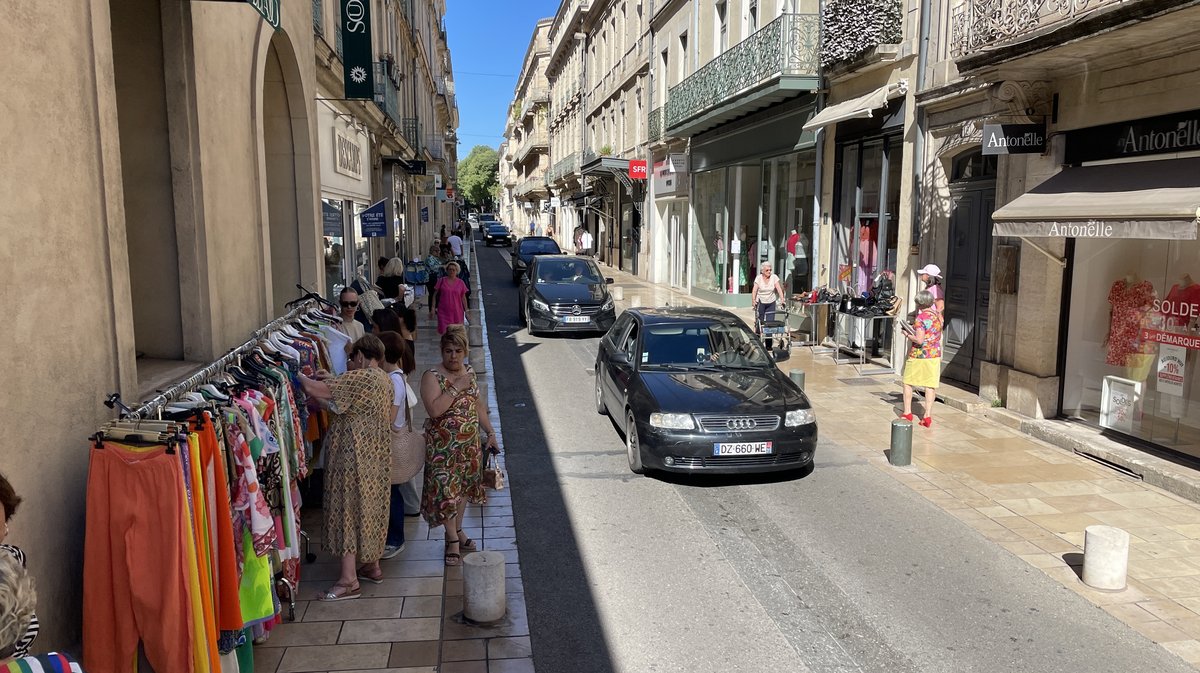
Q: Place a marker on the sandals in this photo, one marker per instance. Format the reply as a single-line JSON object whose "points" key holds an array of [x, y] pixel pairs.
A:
{"points": [[373, 578], [347, 593], [907, 417], [927, 421], [453, 558], [465, 543]]}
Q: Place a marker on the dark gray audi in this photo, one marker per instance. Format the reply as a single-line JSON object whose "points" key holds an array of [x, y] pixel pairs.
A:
{"points": [[695, 390]]}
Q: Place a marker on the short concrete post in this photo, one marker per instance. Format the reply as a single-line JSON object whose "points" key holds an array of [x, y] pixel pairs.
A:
{"points": [[1105, 557], [635, 301], [901, 453], [473, 317], [475, 334], [797, 377], [618, 293], [484, 598]]}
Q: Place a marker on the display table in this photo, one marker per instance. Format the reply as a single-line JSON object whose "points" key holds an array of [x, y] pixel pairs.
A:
{"points": [[842, 338], [810, 311]]}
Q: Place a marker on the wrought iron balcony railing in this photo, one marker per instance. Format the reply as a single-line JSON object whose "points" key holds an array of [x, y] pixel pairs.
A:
{"points": [[386, 95], [564, 168], [410, 128], [318, 16], [853, 27], [437, 147], [531, 141], [534, 183], [977, 24], [786, 46], [654, 125]]}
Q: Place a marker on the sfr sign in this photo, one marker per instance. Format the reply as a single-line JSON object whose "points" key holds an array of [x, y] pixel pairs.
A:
{"points": [[637, 170]]}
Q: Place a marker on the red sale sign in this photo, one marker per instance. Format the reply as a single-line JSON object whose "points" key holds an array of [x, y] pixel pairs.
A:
{"points": [[637, 169]]}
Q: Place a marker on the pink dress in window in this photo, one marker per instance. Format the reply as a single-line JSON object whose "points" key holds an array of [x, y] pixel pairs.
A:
{"points": [[1130, 304]]}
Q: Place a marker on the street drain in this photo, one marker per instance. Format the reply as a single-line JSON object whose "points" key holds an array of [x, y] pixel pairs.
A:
{"points": [[1109, 464]]}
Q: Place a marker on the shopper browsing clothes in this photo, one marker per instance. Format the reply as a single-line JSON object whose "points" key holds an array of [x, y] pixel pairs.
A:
{"points": [[9, 500], [357, 472], [923, 369], [18, 599], [453, 458]]}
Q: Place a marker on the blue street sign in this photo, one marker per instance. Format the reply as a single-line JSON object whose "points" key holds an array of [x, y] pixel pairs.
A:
{"points": [[425, 214], [373, 221]]}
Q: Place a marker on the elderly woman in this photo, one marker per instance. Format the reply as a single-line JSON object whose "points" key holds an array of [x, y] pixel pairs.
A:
{"points": [[924, 366], [357, 472], [391, 279], [451, 295], [453, 459], [766, 295], [17, 602]]}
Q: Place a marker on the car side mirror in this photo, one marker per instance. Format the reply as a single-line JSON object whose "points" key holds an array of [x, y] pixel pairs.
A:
{"points": [[781, 354], [524, 279], [620, 358], [608, 281]]}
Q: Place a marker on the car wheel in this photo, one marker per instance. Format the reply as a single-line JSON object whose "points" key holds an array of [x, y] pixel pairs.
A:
{"points": [[521, 314], [633, 447], [600, 408]]}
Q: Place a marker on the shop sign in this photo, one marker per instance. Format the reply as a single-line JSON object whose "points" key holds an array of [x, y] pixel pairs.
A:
{"points": [[1014, 139], [331, 219], [357, 62], [1172, 366], [347, 154], [269, 9], [437, 181], [423, 185], [1118, 403], [441, 196], [1156, 135], [555, 202], [670, 176], [1188, 341], [372, 222], [425, 214], [637, 169], [415, 167]]}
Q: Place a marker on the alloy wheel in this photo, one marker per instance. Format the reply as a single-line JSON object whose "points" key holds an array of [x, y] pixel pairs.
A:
{"points": [[633, 447], [600, 408]]}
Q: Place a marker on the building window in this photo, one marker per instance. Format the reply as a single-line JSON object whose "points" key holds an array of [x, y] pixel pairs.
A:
{"points": [[683, 57], [722, 25], [752, 17]]}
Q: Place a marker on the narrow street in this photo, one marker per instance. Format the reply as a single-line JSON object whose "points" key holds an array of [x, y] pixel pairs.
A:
{"points": [[841, 570]]}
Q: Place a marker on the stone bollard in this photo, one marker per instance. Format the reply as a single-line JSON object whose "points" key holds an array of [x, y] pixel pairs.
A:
{"points": [[475, 334], [473, 317], [635, 301], [1105, 557], [797, 377], [618, 293], [901, 454], [484, 597]]}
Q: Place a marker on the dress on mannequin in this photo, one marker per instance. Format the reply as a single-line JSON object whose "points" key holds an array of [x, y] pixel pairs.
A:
{"points": [[1131, 300]]}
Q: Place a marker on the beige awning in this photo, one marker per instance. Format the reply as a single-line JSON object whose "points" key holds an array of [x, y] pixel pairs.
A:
{"points": [[1147, 199], [857, 108]]}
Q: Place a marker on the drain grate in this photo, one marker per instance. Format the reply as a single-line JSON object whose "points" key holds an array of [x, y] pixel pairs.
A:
{"points": [[1109, 464], [858, 382]]}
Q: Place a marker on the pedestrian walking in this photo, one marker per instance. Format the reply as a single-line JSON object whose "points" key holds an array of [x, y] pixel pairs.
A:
{"points": [[767, 296], [923, 369], [358, 460], [585, 244], [454, 455], [436, 265], [451, 296], [931, 277]]}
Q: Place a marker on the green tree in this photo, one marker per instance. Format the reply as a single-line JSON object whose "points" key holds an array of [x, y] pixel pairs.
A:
{"points": [[477, 177]]}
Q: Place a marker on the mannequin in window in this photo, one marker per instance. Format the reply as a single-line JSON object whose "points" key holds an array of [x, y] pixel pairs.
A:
{"points": [[797, 260], [719, 261], [868, 254], [1131, 300]]}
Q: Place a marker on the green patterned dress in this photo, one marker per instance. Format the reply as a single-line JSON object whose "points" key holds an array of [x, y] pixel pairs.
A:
{"points": [[453, 457]]}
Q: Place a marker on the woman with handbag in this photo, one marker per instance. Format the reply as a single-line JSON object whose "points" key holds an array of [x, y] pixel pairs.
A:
{"points": [[408, 447], [923, 369], [453, 459]]}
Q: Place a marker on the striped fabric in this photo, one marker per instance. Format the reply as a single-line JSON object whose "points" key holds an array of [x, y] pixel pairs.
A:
{"points": [[52, 662]]}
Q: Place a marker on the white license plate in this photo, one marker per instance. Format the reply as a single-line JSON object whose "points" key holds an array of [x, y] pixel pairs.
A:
{"points": [[741, 448], [576, 318]]}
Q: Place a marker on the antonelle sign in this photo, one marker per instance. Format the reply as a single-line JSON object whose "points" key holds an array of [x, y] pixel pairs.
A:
{"points": [[1156, 135], [1014, 139], [357, 65]]}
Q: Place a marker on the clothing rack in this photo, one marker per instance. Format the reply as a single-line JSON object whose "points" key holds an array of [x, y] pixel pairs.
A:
{"points": [[165, 397]]}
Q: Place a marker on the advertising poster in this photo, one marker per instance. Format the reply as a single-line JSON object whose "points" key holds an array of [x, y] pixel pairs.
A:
{"points": [[1172, 366], [1119, 403]]}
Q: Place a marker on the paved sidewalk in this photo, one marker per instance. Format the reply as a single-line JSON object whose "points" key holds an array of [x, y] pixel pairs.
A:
{"points": [[1032, 498], [409, 623]]}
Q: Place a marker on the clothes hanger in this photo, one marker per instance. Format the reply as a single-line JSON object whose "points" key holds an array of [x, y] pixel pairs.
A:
{"points": [[211, 392]]}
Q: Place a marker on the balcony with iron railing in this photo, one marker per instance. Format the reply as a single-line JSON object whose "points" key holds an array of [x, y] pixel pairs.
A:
{"points": [[410, 128], [536, 182], [436, 145], [776, 62], [535, 139], [852, 28], [386, 95], [533, 96], [654, 125], [981, 29], [318, 9], [564, 168]]}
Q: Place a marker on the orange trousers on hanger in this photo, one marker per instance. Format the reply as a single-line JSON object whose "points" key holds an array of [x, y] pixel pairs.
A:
{"points": [[135, 564]]}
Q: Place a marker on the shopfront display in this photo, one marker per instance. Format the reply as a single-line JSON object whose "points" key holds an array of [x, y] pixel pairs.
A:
{"points": [[334, 227]]}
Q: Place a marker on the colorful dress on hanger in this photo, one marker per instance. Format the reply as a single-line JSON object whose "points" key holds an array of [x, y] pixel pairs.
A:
{"points": [[358, 469], [453, 458], [1130, 304]]}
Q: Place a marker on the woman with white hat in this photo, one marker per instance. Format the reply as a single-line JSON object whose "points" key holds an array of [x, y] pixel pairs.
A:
{"points": [[931, 276]]}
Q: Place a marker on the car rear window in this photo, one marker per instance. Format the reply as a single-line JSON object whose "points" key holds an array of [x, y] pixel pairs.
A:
{"points": [[540, 246]]}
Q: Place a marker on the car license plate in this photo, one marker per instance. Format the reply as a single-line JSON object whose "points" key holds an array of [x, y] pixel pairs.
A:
{"points": [[576, 318], [741, 448]]}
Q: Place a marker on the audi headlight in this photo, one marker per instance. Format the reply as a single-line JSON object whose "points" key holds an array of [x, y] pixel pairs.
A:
{"points": [[541, 305], [608, 304], [797, 417], [672, 421]]}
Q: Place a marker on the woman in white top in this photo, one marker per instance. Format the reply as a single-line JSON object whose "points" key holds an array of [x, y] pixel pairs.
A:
{"points": [[767, 295], [397, 359]]}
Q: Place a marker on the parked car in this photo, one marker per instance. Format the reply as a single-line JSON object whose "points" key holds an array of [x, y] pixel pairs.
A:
{"points": [[565, 293], [695, 391], [496, 233], [527, 248]]}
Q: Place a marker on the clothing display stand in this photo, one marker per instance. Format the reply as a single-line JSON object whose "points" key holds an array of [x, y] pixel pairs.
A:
{"points": [[808, 310], [861, 351]]}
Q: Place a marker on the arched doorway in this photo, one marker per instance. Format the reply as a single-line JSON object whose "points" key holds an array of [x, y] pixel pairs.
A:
{"points": [[968, 265]]}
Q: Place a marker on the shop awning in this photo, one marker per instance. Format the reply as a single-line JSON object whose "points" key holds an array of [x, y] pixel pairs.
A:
{"points": [[857, 108], [1147, 199]]}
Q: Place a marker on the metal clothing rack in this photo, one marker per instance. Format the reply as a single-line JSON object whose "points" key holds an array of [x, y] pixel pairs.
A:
{"points": [[165, 397]]}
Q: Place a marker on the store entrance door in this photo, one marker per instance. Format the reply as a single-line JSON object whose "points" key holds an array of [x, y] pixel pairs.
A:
{"points": [[677, 232], [968, 282]]}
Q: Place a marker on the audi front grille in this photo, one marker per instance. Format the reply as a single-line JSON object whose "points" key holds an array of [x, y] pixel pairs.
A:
{"points": [[724, 424]]}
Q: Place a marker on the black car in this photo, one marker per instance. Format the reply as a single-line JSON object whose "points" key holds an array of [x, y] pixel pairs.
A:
{"points": [[695, 390], [526, 249], [565, 293], [496, 233]]}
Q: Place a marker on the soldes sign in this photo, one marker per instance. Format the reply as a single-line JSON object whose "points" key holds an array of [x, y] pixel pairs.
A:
{"points": [[638, 170], [357, 65]]}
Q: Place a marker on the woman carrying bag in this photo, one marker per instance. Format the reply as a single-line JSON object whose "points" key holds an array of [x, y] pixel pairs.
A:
{"points": [[408, 447]]}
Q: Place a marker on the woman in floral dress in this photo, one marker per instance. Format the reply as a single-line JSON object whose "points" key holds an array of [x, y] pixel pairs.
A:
{"points": [[453, 458], [923, 369], [358, 466]]}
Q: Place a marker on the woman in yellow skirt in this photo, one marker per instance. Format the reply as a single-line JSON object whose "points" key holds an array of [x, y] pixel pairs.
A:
{"points": [[924, 366]]}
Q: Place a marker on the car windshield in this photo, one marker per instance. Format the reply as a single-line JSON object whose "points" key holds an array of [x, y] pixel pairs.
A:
{"points": [[567, 271], [497, 228], [539, 247], [710, 345]]}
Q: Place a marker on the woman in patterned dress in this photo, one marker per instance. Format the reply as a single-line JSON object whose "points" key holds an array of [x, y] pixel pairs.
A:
{"points": [[357, 466], [923, 369], [453, 459]]}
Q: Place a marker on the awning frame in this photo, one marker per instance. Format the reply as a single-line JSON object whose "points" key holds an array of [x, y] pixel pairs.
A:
{"points": [[862, 107]]}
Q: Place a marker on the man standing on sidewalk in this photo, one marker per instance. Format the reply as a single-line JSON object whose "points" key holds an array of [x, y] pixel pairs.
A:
{"points": [[585, 244]]}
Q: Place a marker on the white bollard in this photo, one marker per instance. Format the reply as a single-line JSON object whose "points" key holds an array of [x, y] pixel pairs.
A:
{"points": [[1105, 557], [484, 598], [635, 301], [618, 293]]}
